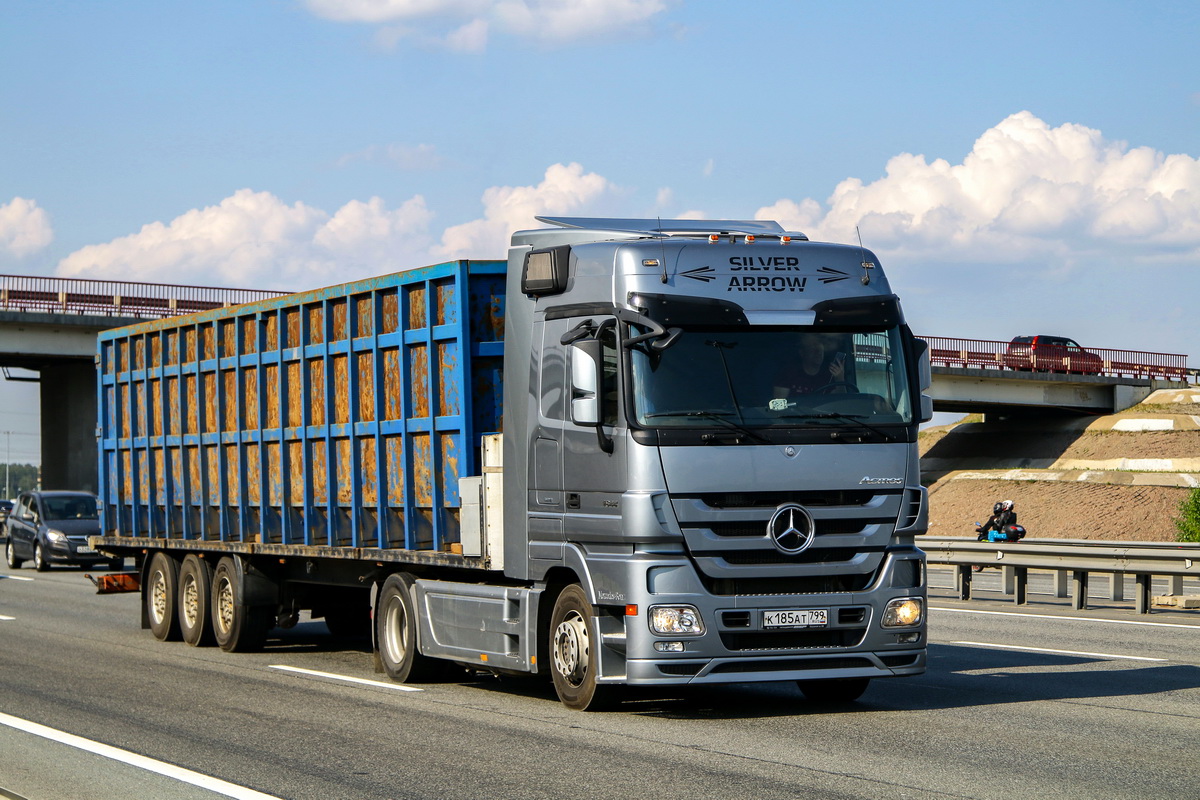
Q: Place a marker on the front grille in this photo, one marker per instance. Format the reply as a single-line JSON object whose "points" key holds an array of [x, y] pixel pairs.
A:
{"points": [[824, 527], [811, 584], [810, 556], [792, 640], [679, 669], [840, 497]]}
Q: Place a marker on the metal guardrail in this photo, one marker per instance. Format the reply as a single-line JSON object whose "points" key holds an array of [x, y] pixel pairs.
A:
{"points": [[987, 354], [1075, 557], [117, 298]]}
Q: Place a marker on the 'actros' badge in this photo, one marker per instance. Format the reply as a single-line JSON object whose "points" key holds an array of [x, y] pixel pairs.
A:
{"points": [[791, 528]]}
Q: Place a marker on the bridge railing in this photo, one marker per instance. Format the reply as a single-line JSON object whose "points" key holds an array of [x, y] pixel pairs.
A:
{"points": [[1077, 558], [988, 354], [116, 298]]}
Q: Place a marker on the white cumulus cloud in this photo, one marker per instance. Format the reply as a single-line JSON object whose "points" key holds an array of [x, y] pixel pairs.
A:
{"points": [[24, 228], [255, 240], [565, 188], [465, 25], [1024, 189]]}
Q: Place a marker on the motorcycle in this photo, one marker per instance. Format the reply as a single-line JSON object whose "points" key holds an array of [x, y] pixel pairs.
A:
{"points": [[1008, 533]]}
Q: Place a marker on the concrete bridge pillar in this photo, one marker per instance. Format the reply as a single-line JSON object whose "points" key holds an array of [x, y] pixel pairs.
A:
{"points": [[68, 405]]}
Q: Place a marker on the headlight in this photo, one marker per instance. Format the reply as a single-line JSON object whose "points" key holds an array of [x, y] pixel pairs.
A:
{"points": [[903, 612], [676, 620], [57, 537]]}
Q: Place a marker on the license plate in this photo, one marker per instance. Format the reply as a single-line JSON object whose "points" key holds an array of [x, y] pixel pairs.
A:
{"points": [[796, 618], [83, 548]]}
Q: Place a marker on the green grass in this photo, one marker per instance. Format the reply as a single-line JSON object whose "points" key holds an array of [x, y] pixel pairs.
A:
{"points": [[1188, 521]]}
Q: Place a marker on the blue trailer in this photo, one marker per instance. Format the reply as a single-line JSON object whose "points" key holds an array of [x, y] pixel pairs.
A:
{"points": [[635, 452]]}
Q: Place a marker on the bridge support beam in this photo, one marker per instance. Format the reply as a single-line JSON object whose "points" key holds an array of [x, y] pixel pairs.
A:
{"points": [[68, 411]]}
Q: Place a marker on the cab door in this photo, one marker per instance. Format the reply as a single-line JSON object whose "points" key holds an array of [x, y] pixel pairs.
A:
{"points": [[595, 474]]}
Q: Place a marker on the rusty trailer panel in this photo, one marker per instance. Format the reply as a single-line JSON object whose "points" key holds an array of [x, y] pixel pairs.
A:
{"points": [[339, 419]]}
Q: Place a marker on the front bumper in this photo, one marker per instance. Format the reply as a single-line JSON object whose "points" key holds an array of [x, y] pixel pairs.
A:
{"points": [[736, 647]]}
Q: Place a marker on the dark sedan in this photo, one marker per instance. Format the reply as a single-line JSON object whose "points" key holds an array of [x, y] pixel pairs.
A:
{"points": [[53, 528]]}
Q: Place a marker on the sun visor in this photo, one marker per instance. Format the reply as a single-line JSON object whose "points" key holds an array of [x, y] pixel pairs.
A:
{"points": [[670, 309], [882, 311]]}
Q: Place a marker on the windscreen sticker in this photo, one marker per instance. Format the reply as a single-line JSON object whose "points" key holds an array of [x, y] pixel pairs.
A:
{"points": [[749, 274]]}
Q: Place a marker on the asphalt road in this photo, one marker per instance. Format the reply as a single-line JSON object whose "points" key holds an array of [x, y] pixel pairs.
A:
{"points": [[1039, 701]]}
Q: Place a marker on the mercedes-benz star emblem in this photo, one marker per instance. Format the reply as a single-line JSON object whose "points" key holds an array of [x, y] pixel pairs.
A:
{"points": [[791, 528]]}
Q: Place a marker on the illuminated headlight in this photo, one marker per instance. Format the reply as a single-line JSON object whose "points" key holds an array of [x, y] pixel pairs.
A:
{"points": [[903, 612], [677, 620], [57, 537]]}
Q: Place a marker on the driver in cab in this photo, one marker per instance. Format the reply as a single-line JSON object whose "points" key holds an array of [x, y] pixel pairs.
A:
{"points": [[812, 371]]}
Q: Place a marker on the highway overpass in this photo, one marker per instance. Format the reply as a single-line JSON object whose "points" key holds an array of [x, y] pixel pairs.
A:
{"points": [[49, 325]]}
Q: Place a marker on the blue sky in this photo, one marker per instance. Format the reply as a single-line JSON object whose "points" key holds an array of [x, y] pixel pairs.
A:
{"points": [[1019, 167]]}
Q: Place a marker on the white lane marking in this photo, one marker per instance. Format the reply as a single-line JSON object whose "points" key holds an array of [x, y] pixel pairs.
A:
{"points": [[1072, 619], [15, 578], [400, 687], [1057, 652], [6, 619], [134, 760]]}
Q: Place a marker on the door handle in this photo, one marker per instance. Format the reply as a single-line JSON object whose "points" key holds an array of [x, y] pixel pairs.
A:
{"points": [[572, 500]]}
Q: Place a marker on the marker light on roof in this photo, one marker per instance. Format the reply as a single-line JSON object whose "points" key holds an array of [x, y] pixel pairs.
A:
{"points": [[785, 240], [714, 238], [749, 238]]}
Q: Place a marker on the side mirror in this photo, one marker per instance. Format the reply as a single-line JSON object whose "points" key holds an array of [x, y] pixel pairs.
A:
{"points": [[926, 408], [585, 382], [924, 369]]}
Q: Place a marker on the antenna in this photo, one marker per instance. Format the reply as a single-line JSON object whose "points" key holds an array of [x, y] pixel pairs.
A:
{"points": [[663, 246], [862, 257]]}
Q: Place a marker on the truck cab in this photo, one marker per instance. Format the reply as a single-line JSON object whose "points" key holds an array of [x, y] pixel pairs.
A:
{"points": [[710, 431]]}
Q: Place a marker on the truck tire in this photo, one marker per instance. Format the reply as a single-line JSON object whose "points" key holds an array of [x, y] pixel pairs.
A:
{"points": [[574, 661], [11, 555], [195, 616], [396, 632], [834, 691], [159, 594], [237, 627]]}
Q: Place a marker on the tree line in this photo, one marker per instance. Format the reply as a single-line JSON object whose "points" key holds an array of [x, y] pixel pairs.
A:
{"points": [[21, 478]]}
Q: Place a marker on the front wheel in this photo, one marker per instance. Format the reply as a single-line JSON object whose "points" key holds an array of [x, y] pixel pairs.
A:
{"points": [[39, 559], [834, 691], [396, 625], [574, 661]]}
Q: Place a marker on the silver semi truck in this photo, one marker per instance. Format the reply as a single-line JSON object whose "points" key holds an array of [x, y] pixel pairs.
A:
{"points": [[638, 452]]}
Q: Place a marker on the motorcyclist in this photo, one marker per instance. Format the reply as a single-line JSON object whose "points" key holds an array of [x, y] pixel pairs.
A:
{"points": [[1001, 525]]}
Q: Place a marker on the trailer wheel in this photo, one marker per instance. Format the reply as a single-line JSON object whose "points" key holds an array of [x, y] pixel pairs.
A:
{"points": [[834, 691], [574, 661], [237, 627], [195, 586], [396, 625], [11, 553], [159, 595]]}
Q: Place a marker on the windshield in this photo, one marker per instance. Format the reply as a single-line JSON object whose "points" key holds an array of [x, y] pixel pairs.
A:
{"points": [[73, 507], [772, 377]]}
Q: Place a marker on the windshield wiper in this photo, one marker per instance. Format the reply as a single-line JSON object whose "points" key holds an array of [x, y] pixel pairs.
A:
{"points": [[855, 418], [717, 417]]}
